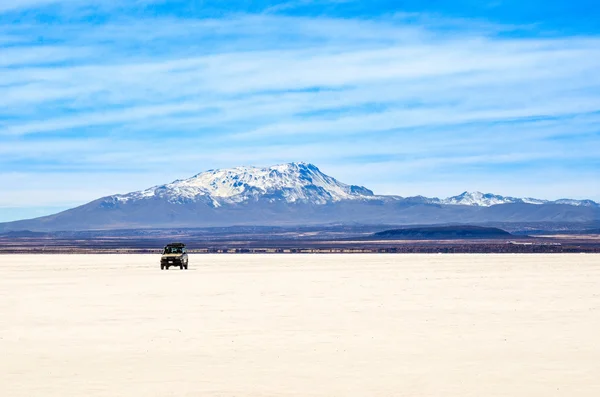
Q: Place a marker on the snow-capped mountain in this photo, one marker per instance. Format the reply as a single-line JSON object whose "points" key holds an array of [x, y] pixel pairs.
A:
{"points": [[479, 199], [487, 199], [294, 194], [577, 203], [296, 183], [292, 183]]}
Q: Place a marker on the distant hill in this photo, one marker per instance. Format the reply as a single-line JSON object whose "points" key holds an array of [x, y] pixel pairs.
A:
{"points": [[23, 233], [443, 233]]}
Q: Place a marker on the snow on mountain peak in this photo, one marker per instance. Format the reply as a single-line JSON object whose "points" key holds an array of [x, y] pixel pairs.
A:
{"points": [[489, 199], [291, 182], [478, 199], [577, 203]]}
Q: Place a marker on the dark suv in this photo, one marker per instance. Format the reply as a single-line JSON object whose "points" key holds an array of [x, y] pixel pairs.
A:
{"points": [[174, 255]]}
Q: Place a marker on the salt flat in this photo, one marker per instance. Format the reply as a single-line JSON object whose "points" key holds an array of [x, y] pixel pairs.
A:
{"points": [[300, 325]]}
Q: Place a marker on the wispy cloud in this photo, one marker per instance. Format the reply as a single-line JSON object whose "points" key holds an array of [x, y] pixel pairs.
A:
{"points": [[396, 95], [69, 5]]}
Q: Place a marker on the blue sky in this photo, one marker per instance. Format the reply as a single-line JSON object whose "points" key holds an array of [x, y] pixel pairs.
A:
{"points": [[409, 97]]}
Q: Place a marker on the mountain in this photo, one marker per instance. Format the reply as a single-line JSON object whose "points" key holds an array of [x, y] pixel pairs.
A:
{"points": [[290, 183], [489, 199], [584, 203], [293, 194]]}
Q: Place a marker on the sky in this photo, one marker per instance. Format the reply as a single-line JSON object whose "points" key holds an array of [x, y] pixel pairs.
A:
{"points": [[406, 97]]}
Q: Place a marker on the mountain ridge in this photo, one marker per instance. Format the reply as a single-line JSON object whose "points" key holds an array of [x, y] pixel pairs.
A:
{"points": [[293, 194], [290, 182], [238, 184]]}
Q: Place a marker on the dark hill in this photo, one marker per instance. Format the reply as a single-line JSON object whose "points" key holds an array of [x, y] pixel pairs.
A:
{"points": [[443, 233], [23, 233]]}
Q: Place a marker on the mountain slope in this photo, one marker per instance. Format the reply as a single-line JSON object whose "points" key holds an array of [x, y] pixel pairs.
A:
{"points": [[293, 194]]}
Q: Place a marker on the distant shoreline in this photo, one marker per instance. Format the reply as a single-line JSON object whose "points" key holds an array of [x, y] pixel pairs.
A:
{"points": [[310, 247], [323, 240]]}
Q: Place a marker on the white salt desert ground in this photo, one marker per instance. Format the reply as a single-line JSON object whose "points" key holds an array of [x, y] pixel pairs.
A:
{"points": [[300, 325]]}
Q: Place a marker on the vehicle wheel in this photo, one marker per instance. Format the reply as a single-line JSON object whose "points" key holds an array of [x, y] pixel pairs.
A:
{"points": [[181, 267], [167, 267], [185, 266], [162, 267]]}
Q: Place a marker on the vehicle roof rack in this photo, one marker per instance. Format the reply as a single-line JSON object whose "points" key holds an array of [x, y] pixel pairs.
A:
{"points": [[176, 245]]}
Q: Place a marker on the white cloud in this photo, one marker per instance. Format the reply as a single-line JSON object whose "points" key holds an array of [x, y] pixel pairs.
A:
{"points": [[10, 5], [20, 5]]}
